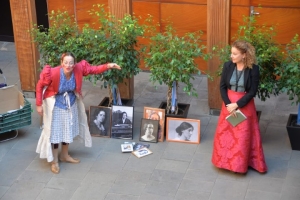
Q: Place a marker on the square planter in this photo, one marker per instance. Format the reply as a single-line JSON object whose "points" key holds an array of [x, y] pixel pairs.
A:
{"points": [[183, 110], [293, 132], [125, 102]]}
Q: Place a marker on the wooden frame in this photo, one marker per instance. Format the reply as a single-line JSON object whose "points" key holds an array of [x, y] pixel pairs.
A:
{"points": [[149, 130], [142, 152], [100, 121], [122, 128], [156, 114], [176, 127]]}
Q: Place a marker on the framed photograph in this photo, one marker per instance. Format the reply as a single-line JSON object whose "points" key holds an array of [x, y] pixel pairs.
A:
{"points": [[122, 122], [126, 148], [142, 152], [149, 130], [156, 114], [100, 121], [183, 130]]}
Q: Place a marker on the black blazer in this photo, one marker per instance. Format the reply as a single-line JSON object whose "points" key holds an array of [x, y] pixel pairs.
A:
{"points": [[251, 81]]}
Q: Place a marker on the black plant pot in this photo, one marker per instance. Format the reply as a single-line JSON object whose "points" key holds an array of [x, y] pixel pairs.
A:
{"points": [[293, 132], [183, 110], [125, 102]]}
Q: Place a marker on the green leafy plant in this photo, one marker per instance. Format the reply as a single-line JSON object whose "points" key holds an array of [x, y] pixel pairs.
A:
{"points": [[289, 72], [267, 53], [171, 61], [119, 44], [114, 40]]}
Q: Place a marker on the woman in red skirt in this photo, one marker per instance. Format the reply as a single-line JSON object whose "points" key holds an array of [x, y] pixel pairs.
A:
{"points": [[238, 147]]}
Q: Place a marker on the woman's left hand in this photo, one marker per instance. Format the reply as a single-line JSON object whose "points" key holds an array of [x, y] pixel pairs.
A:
{"points": [[113, 66], [231, 107]]}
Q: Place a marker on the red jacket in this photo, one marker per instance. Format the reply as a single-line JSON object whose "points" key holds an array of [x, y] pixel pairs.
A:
{"points": [[50, 77]]}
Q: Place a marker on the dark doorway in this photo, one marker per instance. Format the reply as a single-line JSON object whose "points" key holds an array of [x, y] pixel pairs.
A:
{"points": [[6, 26]]}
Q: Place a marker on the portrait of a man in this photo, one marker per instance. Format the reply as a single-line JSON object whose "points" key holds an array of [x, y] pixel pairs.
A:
{"points": [[99, 123], [122, 122]]}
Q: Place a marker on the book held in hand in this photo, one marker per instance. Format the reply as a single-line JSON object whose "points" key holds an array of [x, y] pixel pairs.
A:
{"points": [[240, 117]]}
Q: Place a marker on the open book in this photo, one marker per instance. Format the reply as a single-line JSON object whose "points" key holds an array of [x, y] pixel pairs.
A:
{"points": [[236, 120]]}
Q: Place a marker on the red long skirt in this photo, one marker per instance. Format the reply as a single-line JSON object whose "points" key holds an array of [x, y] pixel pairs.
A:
{"points": [[237, 148]]}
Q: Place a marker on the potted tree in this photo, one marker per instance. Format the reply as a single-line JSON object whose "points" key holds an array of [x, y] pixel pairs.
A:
{"points": [[267, 54], [117, 41], [289, 73], [170, 59], [113, 41]]}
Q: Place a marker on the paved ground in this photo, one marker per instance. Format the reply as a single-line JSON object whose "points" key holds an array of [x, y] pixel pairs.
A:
{"points": [[173, 171]]}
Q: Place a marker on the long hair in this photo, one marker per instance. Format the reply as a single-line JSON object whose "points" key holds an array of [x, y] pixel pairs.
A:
{"points": [[248, 49]]}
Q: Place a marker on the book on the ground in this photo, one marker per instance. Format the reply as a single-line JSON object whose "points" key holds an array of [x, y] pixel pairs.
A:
{"points": [[138, 146], [126, 148], [142, 152], [240, 117]]}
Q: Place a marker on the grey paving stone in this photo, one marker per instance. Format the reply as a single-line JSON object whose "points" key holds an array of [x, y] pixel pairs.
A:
{"points": [[293, 178], [127, 187], [225, 189], [92, 191], [191, 195], [201, 161], [134, 176], [63, 184], [144, 164], [150, 196], [164, 175], [3, 189], [277, 168], [290, 193], [36, 176], [272, 185], [162, 188], [173, 165], [197, 185], [295, 160], [99, 177], [111, 196], [23, 190], [208, 174], [259, 194], [49, 193]]}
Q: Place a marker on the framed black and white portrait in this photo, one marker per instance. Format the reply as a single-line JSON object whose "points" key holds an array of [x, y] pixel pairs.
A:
{"points": [[100, 121], [183, 130], [157, 114], [149, 130], [122, 122]]}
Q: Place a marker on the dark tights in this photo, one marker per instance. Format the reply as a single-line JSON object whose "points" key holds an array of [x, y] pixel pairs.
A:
{"points": [[55, 146]]}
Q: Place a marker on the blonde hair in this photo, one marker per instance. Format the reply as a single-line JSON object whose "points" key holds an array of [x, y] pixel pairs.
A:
{"points": [[248, 49]]}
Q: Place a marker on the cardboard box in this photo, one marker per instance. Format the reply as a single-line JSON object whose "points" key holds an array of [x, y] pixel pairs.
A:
{"points": [[15, 110], [11, 99]]}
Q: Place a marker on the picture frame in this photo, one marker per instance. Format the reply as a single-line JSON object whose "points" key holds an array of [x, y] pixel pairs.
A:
{"points": [[142, 152], [100, 121], [149, 130], [156, 114], [122, 128], [126, 148], [183, 130]]}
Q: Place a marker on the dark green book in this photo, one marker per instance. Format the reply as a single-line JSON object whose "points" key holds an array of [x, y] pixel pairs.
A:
{"points": [[236, 120]]}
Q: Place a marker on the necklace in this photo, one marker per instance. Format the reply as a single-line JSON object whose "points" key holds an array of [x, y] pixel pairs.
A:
{"points": [[238, 76]]}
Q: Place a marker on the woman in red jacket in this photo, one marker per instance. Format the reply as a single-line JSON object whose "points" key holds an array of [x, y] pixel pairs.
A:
{"points": [[59, 101]]}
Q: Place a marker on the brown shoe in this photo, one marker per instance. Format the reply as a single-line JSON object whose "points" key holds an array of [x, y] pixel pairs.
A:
{"points": [[69, 159], [55, 167]]}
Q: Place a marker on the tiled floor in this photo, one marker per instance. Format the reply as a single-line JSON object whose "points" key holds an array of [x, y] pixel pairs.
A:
{"points": [[173, 171]]}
